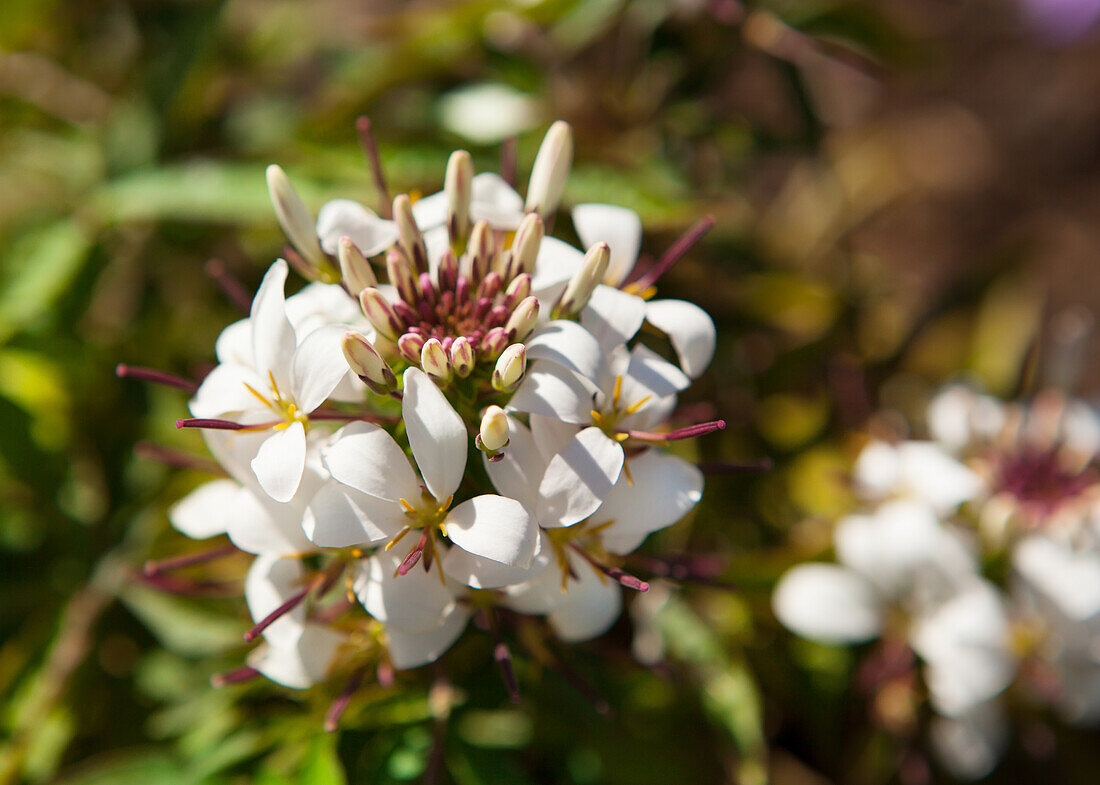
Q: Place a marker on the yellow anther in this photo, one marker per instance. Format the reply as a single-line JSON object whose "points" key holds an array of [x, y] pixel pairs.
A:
{"points": [[622, 437], [397, 538], [617, 392], [596, 417], [626, 471], [408, 507], [446, 505], [443, 530], [638, 405], [259, 395]]}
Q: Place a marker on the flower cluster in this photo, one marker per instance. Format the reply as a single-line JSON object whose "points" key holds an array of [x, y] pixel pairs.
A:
{"points": [[978, 555], [453, 418]]}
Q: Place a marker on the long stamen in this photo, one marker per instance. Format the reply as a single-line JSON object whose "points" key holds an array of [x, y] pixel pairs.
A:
{"points": [[274, 616], [178, 458], [210, 424], [370, 147], [414, 555], [186, 587], [340, 705], [675, 252], [680, 433], [503, 656], [626, 579], [236, 676], [233, 289], [123, 371], [151, 568], [508, 158]]}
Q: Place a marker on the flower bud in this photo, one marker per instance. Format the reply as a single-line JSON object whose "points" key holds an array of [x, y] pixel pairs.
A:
{"points": [[410, 346], [494, 342], [294, 216], [366, 363], [433, 359], [584, 281], [490, 285], [458, 185], [517, 290], [492, 437], [510, 368], [523, 319], [408, 233], [462, 357], [525, 246], [401, 275], [550, 170], [480, 250], [355, 270], [379, 313], [447, 274]]}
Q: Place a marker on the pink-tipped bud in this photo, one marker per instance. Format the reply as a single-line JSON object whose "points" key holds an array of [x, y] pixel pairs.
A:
{"points": [[380, 314], [409, 237], [458, 185], [584, 281], [294, 216], [528, 240], [462, 357], [433, 359], [366, 363], [409, 346], [523, 319], [448, 271], [494, 343], [355, 270], [400, 272], [517, 290], [490, 285], [551, 169], [510, 368], [492, 436], [480, 250]]}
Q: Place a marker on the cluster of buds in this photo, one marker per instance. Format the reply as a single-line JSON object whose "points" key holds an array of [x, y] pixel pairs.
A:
{"points": [[446, 320]]}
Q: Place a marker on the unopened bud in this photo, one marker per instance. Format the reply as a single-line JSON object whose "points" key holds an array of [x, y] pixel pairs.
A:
{"points": [[525, 246], [492, 437], [409, 346], [379, 313], [584, 281], [433, 359], [408, 233], [550, 170], [523, 319], [494, 342], [480, 250], [401, 275], [490, 285], [462, 357], [366, 363], [294, 216], [458, 185], [517, 290], [447, 274], [355, 270], [510, 368]]}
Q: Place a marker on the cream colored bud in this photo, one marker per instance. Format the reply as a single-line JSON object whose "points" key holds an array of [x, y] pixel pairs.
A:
{"points": [[408, 233], [551, 169], [355, 270], [434, 361], [493, 434], [366, 363], [400, 272], [294, 216], [410, 346], [584, 281], [523, 319], [462, 357], [380, 314], [480, 250], [458, 186], [510, 368], [517, 290], [525, 246], [494, 342]]}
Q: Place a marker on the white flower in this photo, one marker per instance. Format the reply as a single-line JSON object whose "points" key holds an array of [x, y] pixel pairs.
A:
{"points": [[492, 200], [344, 218], [391, 501], [488, 113], [274, 384], [296, 653], [970, 744], [958, 416], [918, 470]]}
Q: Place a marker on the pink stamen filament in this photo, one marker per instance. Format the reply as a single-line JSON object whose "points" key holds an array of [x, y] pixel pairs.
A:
{"points": [[340, 705], [186, 587], [157, 377], [414, 555], [624, 578], [209, 423], [503, 656], [235, 676], [152, 568], [680, 433], [178, 458], [370, 147], [234, 290], [675, 252], [321, 583]]}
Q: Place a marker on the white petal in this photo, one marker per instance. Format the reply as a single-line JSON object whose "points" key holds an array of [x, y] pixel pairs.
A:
{"points": [[579, 478], [436, 434], [649, 374], [553, 392], [567, 344], [280, 461], [234, 345], [619, 227], [430, 211], [411, 650], [970, 745], [320, 304], [223, 392], [690, 329], [542, 591], [343, 217], [518, 472], [556, 262], [481, 573], [663, 490], [487, 113], [366, 458], [493, 200], [590, 606], [273, 340], [550, 435], [270, 582], [1067, 578], [299, 663], [415, 602], [496, 528], [319, 366], [340, 517], [827, 603], [260, 525], [929, 472], [613, 316], [877, 470], [205, 512]]}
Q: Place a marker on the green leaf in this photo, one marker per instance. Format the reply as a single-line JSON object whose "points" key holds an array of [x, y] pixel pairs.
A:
{"points": [[180, 627], [322, 765]]}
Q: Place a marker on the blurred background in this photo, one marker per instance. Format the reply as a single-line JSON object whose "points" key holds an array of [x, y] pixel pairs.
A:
{"points": [[905, 191]]}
